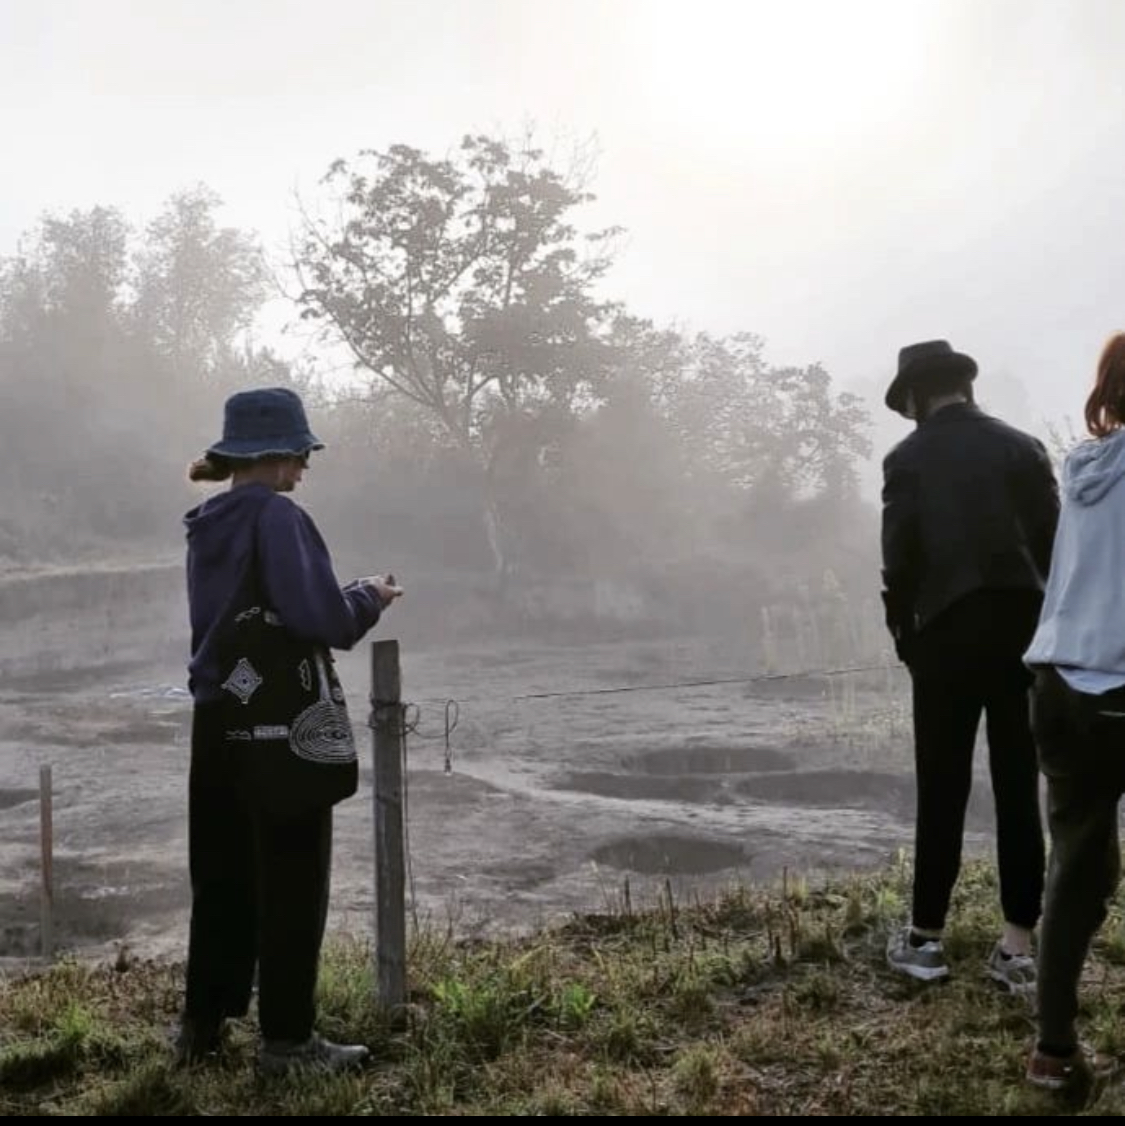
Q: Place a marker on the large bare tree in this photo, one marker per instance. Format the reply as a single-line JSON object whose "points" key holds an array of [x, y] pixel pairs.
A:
{"points": [[463, 285]]}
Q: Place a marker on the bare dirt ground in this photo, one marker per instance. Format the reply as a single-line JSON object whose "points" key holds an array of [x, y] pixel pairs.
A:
{"points": [[549, 806]]}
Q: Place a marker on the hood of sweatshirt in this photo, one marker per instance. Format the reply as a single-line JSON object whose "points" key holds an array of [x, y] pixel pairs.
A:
{"points": [[220, 537], [1093, 468], [221, 529]]}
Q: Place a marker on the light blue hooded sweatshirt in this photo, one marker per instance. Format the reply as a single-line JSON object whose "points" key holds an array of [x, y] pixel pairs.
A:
{"points": [[1082, 623]]}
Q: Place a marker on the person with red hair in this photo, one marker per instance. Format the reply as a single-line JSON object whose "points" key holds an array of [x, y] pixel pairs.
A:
{"points": [[1078, 719]]}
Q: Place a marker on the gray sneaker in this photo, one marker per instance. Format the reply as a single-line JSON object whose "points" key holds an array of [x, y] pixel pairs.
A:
{"points": [[1015, 972], [925, 962], [277, 1057], [195, 1042]]}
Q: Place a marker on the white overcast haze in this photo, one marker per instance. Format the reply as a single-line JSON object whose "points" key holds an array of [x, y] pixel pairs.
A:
{"points": [[839, 178]]}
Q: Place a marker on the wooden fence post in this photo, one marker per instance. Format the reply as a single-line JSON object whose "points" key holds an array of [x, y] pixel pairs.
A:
{"points": [[390, 860], [46, 865]]}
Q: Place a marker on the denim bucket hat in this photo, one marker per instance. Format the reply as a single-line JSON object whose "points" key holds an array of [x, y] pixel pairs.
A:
{"points": [[265, 422]]}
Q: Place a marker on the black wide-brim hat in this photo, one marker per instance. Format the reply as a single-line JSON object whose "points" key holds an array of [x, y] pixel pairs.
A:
{"points": [[917, 362], [265, 422]]}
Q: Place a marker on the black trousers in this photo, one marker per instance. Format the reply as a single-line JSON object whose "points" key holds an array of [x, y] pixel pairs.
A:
{"points": [[969, 662], [1081, 741], [259, 897]]}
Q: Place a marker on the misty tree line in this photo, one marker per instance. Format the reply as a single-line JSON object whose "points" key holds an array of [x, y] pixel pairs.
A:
{"points": [[114, 345], [505, 419]]}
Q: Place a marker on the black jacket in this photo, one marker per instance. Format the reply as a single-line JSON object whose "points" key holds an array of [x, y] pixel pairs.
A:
{"points": [[969, 503]]}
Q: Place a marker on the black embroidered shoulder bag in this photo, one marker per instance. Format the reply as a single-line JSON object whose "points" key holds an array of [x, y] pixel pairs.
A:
{"points": [[284, 711]]}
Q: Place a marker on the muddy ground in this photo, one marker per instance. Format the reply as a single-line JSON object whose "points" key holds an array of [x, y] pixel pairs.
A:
{"points": [[549, 805]]}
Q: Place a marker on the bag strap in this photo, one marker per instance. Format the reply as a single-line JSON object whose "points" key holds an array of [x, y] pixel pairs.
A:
{"points": [[250, 590], [255, 586]]}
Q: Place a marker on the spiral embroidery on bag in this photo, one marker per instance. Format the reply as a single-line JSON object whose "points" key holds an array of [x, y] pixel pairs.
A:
{"points": [[323, 732]]}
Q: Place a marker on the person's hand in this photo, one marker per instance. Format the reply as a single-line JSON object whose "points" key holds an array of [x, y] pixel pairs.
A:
{"points": [[387, 589]]}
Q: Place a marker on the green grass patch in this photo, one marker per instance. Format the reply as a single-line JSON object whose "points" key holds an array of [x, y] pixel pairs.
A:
{"points": [[762, 1001]]}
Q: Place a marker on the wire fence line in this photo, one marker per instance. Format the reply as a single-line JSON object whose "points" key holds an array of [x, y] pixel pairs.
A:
{"points": [[662, 686], [412, 711], [410, 717]]}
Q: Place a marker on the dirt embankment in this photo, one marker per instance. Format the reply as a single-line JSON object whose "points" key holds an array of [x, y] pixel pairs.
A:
{"points": [[57, 619]]}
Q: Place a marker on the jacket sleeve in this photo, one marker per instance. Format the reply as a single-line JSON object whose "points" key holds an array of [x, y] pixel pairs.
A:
{"points": [[900, 549], [1041, 507], [300, 584]]}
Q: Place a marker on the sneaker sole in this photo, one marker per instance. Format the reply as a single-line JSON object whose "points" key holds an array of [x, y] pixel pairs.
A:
{"points": [[279, 1068], [1072, 1083], [1026, 989], [920, 973], [1050, 1084]]}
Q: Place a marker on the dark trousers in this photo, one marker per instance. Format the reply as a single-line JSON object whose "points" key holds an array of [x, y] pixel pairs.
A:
{"points": [[259, 897], [1081, 742], [969, 662]]}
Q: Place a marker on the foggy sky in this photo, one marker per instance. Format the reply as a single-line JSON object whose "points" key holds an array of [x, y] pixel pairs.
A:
{"points": [[840, 179]]}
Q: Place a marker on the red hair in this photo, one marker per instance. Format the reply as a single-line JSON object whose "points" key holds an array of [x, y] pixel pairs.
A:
{"points": [[1105, 408]]}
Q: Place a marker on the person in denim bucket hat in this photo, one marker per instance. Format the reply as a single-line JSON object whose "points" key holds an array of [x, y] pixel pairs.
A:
{"points": [[259, 883]]}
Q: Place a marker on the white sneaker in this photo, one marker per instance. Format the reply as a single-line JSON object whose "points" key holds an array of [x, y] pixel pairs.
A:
{"points": [[278, 1057], [924, 963], [1015, 972]]}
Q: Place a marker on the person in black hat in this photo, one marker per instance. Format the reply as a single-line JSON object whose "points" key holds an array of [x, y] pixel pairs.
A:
{"points": [[259, 882], [970, 506]]}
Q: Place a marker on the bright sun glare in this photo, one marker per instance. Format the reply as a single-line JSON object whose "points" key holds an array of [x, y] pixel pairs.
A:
{"points": [[782, 75]]}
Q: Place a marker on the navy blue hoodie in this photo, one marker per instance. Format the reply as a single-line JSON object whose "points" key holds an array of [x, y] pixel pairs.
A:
{"points": [[296, 574]]}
